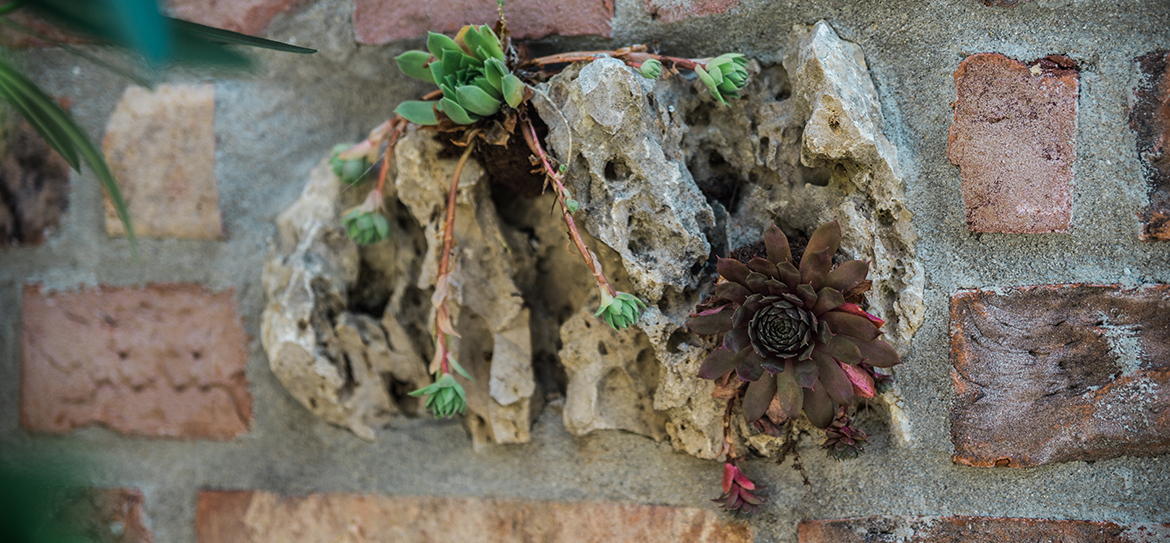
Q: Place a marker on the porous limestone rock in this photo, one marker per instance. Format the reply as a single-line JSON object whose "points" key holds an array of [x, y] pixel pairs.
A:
{"points": [[333, 361], [487, 307], [612, 375], [666, 177]]}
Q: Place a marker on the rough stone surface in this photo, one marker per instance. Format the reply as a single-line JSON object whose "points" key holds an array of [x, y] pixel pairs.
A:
{"points": [[384, 21], [246, 16], [161, 361], [161, 147], [666, 179], [1149, 117], [976, 530], [259, 517], [337, 363], [487, 307], [9, 37], [669, 11], [1060, 373], [104, 515], [34, 186], [1014, 138], [611, 377]]}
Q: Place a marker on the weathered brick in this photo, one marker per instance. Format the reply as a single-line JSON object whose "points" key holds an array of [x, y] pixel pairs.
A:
{"points": [[1149, 118], [1014, 140], [1059, 373], [384, 21], [161, 146], [164, 360], [976, 530], [256, 517], [34, 185], [247, 16], [104, 515], [669, 11]]}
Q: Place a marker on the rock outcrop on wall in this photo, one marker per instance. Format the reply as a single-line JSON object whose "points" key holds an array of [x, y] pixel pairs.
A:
{"points": [[667, 180]]}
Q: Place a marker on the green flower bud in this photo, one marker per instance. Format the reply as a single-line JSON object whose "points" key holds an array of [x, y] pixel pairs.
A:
{"points": [[572, 205], [724, 75], [651, 69]]}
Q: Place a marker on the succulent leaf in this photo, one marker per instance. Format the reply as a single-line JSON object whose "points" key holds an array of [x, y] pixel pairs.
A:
{"points": [[455, 112], [414, 64], [818, 406], [847, 276], [477, 100], [718, 363], [513, 90], [788, 391], [437, 44], [418, 112], [757, 398]]}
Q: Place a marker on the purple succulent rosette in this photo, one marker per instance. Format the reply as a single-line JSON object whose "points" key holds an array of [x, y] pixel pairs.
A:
{"points": [[789, 332]]}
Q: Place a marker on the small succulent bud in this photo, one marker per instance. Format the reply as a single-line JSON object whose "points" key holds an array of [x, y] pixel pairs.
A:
{"points": [[365, 224], [651, 69], [445, 397], [348, 171], [740, 494], [620, 311], [724, 75], [572, 204]]}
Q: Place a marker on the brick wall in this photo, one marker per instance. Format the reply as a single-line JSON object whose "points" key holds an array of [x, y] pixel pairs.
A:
{"points": [[1033, 405]]}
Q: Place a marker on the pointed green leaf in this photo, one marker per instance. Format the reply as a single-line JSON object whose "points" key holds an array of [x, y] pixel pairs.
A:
{"points": [[492, 42], [487, 87], [459, 369], [438, 43], [437, 73], [513, 90], [455, 112], [234, 38], [418, 112], [476, 100], [413, 63], [494, 71]]}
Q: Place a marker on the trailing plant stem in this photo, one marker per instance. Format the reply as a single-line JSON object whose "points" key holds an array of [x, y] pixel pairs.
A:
{"points": [[586, 255], [445, 259], [630, 55]]}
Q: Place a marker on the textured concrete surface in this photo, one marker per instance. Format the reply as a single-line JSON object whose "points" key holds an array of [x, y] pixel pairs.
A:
{"points": [[976, 530], [274, 127]]}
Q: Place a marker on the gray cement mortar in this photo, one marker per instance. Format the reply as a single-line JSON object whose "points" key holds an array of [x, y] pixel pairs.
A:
{"points": [[274, 126]]}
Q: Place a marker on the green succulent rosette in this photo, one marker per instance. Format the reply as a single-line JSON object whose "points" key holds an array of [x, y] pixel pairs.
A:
{"points": [[354, 170], [651, 69], [724, 75], [445, 397], [470, 70], [365, 227], [620, 311]]}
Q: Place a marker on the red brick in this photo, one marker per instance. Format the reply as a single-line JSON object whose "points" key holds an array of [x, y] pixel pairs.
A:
{"points": [[246, 16], [1060, 373], [1149, 118], [669, 11], [260, 517], [1014, 140], [34, 186], [976, 530], [161, 146], [111, 515], [163, 361], [384, 21]]}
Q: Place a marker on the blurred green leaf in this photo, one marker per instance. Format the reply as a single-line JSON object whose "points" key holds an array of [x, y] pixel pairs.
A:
{"points": [[234, 38], [418, 112], [69, 140]]}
